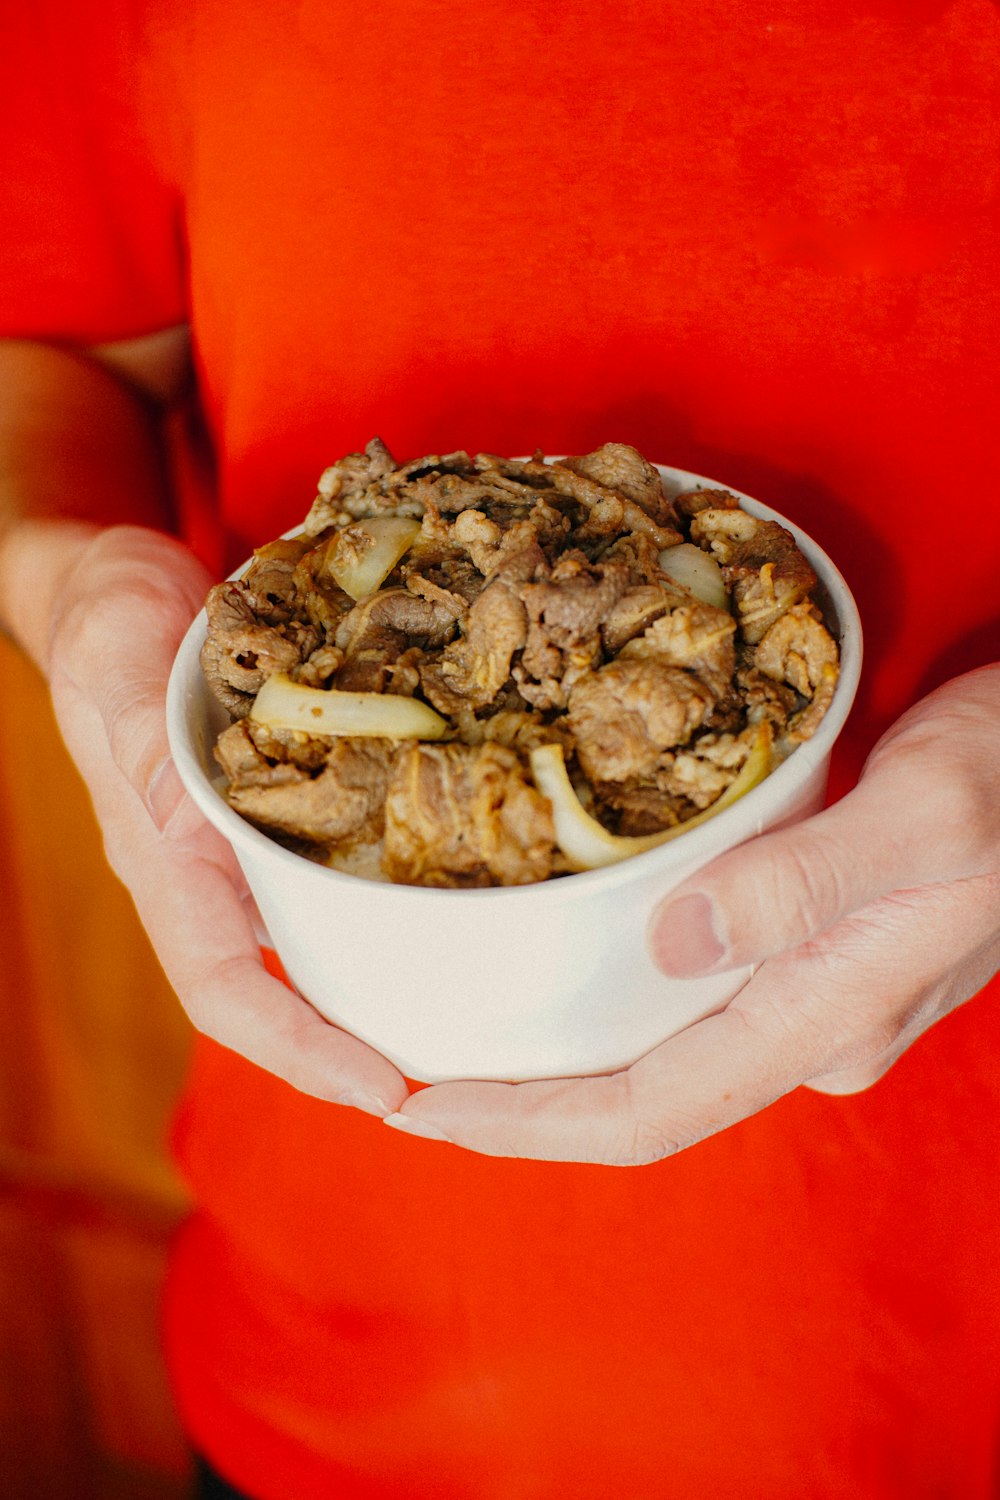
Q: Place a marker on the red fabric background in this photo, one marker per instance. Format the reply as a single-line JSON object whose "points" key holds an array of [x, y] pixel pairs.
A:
{"points": [[759, 242]]}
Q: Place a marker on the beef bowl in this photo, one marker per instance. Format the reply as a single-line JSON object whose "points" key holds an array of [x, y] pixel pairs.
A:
{"points": [[589, 678]]}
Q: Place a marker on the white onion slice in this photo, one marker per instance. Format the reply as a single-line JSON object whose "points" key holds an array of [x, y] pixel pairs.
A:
{"points": [[587, 844], [696, 571], [361, 556], [284, 704]]}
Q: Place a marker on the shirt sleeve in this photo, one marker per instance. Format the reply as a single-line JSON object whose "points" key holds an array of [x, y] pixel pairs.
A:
{"points": [[91, 245]]}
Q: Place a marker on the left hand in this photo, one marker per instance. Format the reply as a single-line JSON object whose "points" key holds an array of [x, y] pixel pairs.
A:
{"points": [[875, 918], [118, 614]]}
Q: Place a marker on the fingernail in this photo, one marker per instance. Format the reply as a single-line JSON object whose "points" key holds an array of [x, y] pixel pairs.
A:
{"points": [[164, 794], [685, 938], [416, 1127]]}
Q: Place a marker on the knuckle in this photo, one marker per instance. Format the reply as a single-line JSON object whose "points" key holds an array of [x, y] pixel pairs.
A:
{"points": [[91, 651], [850, 1080], [642, 1144], [946, 785], [641, 1137], [850, 1035], [207, 1000], [805, 883], [862, 1052], [823, 1027], [83, 625], [116, 581], [825, 882], [965, 800], [135, 731]]}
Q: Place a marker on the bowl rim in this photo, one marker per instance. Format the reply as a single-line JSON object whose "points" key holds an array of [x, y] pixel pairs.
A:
{"points": [[731, 827]]}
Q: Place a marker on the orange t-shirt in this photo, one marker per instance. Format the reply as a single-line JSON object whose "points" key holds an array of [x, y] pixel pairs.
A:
{"points": [[758, 242]]}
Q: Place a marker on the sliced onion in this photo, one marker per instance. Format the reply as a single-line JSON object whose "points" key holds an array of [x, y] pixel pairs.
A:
{"points": [[696, 571], [284, 704], [361, 556], [587, 844]]}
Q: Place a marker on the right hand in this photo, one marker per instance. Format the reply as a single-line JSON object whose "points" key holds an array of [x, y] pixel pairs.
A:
{"points": [[115, 625]]}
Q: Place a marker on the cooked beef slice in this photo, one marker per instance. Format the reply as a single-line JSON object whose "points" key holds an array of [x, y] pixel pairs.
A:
{"points": [[693, 502], [270, 580], [348, 477], [491, 542], [526, 472], [436, 567], [761, 699], [240, 650], [377, 632], [486, 543], [565, 613], [453, 494], [683, 783], [246, 765], [524, 730], [766, 580], [624, 470], [494, 494], [465, 815], [593, 495], [761, 564], [634, 612], [642, 558], [603, 511], [701, 773], [318, 791], [572, 603], [317, 594], [398, 491], [255, 753], [798, 649], [319, 669], [427, 587], [471, 671], [720, 530], [693, 635], [627, 714], [638, 808]]}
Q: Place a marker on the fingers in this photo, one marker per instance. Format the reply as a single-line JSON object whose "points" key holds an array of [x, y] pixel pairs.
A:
{"points": [[837, 1014], [124, 608], [925, 812], [880, 914], [204, 934], [856, 1080], [164, 796], [280, 1032], [190, 896], [777, 891], [706, 1078], [115, 633]]}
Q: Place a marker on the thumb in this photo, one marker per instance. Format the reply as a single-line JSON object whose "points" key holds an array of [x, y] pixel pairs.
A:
{"points": [[923, 813]]}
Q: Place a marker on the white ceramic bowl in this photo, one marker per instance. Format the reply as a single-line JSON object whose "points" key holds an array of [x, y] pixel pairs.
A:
{"points": [[546, 980]]}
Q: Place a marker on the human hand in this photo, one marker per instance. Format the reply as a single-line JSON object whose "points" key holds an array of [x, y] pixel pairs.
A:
{"points": [[114, 627], [875, 918]]}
